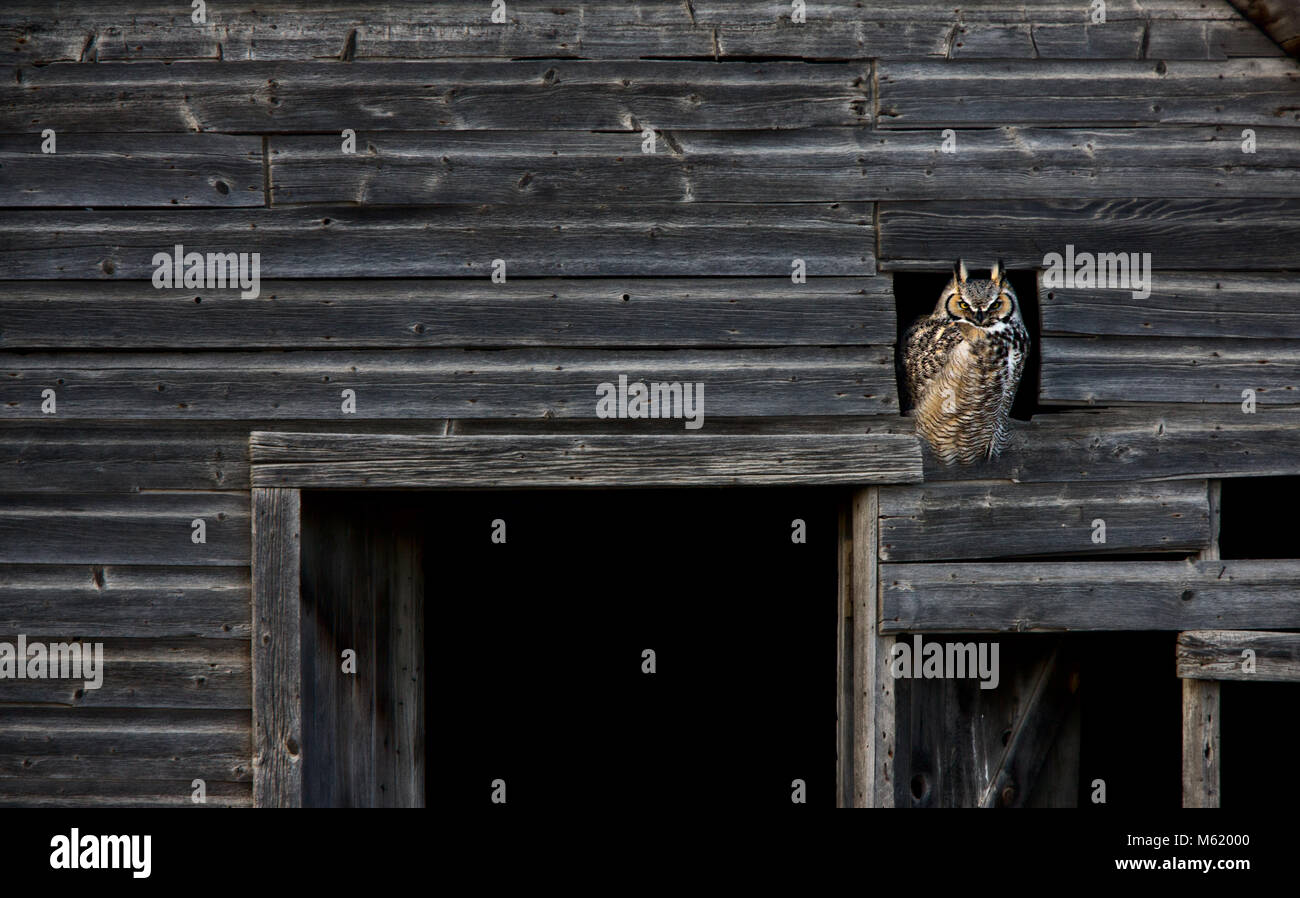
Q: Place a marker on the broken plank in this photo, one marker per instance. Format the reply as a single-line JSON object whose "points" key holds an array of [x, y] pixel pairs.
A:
{"points": [[1222, 655]]}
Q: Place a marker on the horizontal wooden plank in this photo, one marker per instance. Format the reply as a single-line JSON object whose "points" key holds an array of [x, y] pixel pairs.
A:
{"points": [[709, 239], [146, 673], [1231, 234], [112, 601], [147, 529], [1222, 655], [116, 170], [820, 164], [110, 745], [1118, 369], [1211, 304], [1089, 595], [38, 792], [363, 461], [416, 383], [1114, 92], [1144, 443], [401, 313], [578, 95], [971, 10], [991, 520]]}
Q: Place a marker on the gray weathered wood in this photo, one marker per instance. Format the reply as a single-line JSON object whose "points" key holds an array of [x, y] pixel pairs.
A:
{"points": [[277, 649], [110, 170], [97, 602], [1179, 233], [400, 313], [1279, 18], [1216, 304], [125, 746], [1111, 370], [439, 383], [549, 94], [1090, 596], [145, 673], [1204, 39], [1240, 92], [935, 522], [148, 529], [32, 792], [832, 164], [706, 239], [844, 677], [1034, 734], [1202, 702], [352, 461], [874, 735], [1220, 655]]}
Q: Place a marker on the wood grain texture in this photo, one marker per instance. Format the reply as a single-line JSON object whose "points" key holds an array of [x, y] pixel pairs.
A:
{"points": [[354, 461], [1169, 370], [830, 164], [1221, 655], [579, 95], [439, 383], [277, 649], [117, 170], [955, 521], [31, 792], [147, 529], [1202, 726], [401, 314], [875, 761], [1202, 304], [1278, 18], [1159, 442], [114, 601], [1156, 38], [124, 746], [1231, 234], [703, 239], [146, 673], [1239, 92], [1090, 596]]}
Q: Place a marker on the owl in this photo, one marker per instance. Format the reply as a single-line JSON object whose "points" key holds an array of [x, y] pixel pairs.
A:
{"points": [[962, 365]]}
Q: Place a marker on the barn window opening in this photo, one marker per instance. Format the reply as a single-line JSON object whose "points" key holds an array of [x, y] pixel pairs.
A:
{"points": [[1243, 531], [586, 646], [1253, 715], [915, 295]]}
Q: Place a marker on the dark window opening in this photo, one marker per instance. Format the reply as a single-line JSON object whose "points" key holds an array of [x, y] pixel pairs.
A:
{"points": [[1257, 723], [1244, 532], [917, 293]]}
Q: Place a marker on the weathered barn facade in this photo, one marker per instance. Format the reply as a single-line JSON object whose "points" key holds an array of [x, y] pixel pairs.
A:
{"points": [[467, 215]]}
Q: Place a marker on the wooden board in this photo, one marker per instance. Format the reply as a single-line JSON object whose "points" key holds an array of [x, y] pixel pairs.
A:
{"points": [[1155, 38], [112, 601], [439, 383], [147, 529], [345, 461], [1119, 369], [831, 164], [707, 239], [1241, 234], [1221, 655], [936, 522], [1213, 304], [1241, 92], [147, 673], [124, 746], [400, 314], [1091, 596], [277, 648], [31, 792], [117, 170], [554, 94]]}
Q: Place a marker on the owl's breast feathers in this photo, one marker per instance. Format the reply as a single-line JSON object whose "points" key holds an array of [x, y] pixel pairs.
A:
{"points": [[963, 380]]}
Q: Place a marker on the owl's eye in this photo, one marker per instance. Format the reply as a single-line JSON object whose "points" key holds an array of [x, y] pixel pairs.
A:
{"points": [[961, 304]]}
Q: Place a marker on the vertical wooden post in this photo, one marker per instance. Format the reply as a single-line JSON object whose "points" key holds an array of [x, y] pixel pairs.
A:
{"points": [[873, 689], [1201, 703], [277, 649], [843, 663]]}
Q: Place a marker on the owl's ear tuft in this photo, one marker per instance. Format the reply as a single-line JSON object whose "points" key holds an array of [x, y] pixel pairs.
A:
{"points": [[998, 273], [959, 271]]}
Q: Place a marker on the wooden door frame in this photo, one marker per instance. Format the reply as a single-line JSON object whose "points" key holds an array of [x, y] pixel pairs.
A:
{"points": [[282, 465]]}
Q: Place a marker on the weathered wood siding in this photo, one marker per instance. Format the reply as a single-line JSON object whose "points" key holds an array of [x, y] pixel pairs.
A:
{"points": [[775, 140]]}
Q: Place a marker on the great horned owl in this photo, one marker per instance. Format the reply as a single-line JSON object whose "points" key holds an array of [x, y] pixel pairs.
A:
{"points": [[963, 365]]}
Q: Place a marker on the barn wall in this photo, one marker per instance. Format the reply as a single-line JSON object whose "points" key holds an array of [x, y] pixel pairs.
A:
{"points": [[522, 141]]}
